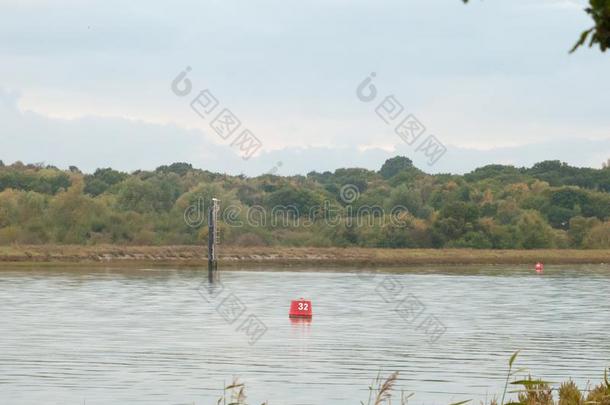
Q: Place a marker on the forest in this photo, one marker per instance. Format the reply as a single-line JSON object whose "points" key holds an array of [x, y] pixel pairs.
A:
{"points": [[549, 205]]}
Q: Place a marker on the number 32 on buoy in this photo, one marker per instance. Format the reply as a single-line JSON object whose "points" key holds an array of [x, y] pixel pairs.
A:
{"points": [[300, 309]]}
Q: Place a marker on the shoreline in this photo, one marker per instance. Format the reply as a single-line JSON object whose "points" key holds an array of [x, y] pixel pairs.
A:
{"points": [[188, 256]]}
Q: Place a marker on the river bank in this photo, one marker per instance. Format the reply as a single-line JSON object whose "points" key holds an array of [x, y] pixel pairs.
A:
{"points": [[233, 255]]}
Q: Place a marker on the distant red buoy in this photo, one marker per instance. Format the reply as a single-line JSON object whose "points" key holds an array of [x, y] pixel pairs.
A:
{"points": [[300, 309], [539, 267]]}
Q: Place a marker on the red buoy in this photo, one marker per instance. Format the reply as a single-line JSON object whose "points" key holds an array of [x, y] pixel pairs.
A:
{"points": [[539, 267], [300, 309]]}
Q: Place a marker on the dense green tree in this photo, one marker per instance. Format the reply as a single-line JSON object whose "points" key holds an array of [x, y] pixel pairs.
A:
{"points": [[579, 228], [303, 200], [179, 168], [501, 207], [501, 173], [534, 232], [20, 177], [101, 180], [598, 237], [396, 165], [559, 217], [409, 198]]}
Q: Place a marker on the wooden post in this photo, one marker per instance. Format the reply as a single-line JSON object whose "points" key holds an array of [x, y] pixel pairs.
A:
{"points": [[212, 238]]}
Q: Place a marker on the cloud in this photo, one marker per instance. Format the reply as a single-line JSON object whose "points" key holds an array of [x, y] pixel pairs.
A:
{"points": [[485, 75], [92, 142]]}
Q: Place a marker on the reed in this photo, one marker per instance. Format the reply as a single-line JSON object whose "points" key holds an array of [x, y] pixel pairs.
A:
{"points": [[532, 392], [380, 392], [235, 393]]}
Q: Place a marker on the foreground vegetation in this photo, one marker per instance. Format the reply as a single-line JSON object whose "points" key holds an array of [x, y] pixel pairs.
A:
{"points": [[529, 391], [550, 205]]}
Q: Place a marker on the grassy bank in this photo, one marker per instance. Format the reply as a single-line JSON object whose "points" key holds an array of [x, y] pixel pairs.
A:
{"points": [[232, 255]]}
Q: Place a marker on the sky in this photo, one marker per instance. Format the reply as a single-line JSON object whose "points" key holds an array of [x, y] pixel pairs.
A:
{"points": [[89, 83]]}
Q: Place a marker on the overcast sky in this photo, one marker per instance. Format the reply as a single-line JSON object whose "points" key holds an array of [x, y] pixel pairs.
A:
{"points": [[88, 83]]}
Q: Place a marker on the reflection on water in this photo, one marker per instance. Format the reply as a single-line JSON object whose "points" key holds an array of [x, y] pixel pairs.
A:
{"points": [[148, 336]]}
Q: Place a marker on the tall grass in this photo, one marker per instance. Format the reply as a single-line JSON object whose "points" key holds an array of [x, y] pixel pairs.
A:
{"points": [[530, 391]]}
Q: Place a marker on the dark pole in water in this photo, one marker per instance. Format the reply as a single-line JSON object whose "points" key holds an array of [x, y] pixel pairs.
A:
{"points": [[212, 238]]}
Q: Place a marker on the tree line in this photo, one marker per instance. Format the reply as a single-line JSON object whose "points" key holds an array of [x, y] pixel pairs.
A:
{"points": [[548, 205]]}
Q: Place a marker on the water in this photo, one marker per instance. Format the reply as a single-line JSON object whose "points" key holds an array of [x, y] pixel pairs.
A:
{"points": [[118, 336]]}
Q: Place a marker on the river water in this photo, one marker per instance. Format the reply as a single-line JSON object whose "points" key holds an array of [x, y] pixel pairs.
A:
{"points": [[165, 336]]}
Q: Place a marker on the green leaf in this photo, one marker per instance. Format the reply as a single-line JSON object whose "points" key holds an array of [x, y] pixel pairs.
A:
{"points": [[530, 383], [581, 40], [461, 402], [512, 358]]}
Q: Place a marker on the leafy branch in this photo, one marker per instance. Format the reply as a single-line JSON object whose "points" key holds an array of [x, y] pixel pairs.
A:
{"points": [[599, 34]]}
